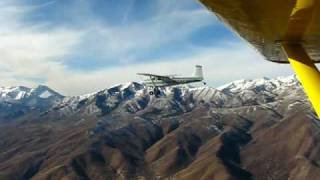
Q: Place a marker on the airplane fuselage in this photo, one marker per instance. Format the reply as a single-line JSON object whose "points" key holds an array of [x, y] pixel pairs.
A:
{"points": [[155, 82]]}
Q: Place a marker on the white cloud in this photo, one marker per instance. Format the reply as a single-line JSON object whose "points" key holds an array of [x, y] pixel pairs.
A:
{"points": [[28, 51]]}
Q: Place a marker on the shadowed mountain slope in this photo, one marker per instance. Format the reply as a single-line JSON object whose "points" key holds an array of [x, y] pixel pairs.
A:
{"points": [[248, 129]]}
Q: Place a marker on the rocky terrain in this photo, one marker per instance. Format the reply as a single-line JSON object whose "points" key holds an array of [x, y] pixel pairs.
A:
{"points": [[247, 129]]}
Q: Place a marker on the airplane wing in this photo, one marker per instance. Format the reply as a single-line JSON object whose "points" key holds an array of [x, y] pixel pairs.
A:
{"points": [[166, 79], [283, 31], [267, 23]]}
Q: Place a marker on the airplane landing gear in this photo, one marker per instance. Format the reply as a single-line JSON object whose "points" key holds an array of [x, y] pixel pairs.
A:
{"points": [[155, 92]]}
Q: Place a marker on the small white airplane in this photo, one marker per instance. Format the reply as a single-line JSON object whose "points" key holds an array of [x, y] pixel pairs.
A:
{"points": [[159, 81]]}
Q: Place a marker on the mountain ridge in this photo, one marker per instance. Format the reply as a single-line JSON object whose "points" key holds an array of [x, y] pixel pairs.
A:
{"points": [[134, 97]]}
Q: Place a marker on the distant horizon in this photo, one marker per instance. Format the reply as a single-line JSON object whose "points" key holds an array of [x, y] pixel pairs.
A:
{"points": [[123, 83]]}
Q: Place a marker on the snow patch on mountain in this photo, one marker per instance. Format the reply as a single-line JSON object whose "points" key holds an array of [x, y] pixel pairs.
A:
{"points": [[14, 93], [45, 95], [259, 84]]}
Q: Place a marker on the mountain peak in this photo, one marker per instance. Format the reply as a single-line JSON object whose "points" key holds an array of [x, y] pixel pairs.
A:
{"points": [[44, 92], [128, 85], [24, 98]]}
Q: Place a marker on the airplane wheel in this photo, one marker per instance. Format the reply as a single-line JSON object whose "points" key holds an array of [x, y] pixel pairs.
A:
{"points": [[151, 93]]}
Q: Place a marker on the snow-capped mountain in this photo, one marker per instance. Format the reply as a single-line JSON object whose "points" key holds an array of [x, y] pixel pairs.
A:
{"points": [[263, 84], [264, 90], [134, 97], [21, 93], [20, 100]]}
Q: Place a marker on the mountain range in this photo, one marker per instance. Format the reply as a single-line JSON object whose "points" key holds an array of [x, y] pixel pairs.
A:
{"points": [[247, 129]]}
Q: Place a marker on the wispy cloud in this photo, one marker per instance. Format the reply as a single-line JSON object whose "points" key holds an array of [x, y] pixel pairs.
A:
{"points": [[128, 43], [26, 50]]}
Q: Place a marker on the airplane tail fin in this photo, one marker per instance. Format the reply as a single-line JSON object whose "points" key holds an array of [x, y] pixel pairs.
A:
{"points": [[198, 72]]}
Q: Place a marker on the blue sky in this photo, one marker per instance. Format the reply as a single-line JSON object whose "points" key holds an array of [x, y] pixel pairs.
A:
{"points": [[81, 46]]}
